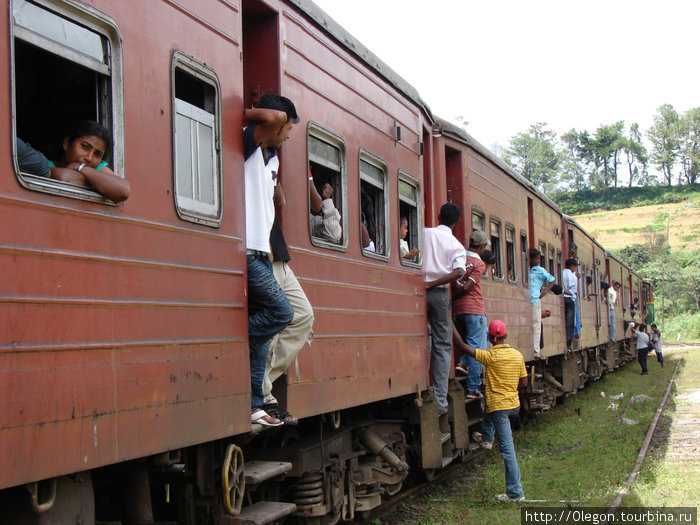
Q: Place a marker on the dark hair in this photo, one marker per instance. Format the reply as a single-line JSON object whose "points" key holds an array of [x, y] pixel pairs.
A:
{"points": [[280, 103], [616, 283], [573, 246], [488, 257], [403, 218], [533, 252], [557, 289], [570, 262], [84, 128], [449, 214], [642, 327]]}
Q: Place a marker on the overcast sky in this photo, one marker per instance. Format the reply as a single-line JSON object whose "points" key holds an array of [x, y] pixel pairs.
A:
{"points": [[506, 64]]}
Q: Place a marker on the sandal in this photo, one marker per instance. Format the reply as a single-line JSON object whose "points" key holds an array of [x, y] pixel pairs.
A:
{"points": [[260, 417], [280, 413]]}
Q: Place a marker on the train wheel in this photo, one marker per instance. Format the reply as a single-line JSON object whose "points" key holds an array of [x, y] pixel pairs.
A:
{"points": [[233, 480]]}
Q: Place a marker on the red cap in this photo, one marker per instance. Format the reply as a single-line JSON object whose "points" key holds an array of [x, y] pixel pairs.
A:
{"points": [[497, 328]]}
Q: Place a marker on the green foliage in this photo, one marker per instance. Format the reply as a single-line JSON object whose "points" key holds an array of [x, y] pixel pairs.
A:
{"points": [[574, 203], [686, 323], [534, 154]]}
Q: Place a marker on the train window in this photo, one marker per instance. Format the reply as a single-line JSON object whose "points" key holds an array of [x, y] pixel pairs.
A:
{"points": [[552, 270], [327, 224], [409, 199], [510, 254], [196, 134], [67, 67], [559, 268], [373, 205], [478, 221], [543, 254], [496, 248], [523, 258]]}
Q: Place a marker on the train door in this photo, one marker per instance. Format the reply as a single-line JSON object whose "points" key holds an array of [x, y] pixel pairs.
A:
{"points": [[455, 191], [261, 55], [428, 210]]}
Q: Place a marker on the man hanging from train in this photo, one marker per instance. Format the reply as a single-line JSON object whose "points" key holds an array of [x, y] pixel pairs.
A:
{"points": [[286, 345], [470, 311], [612, 299], [269, 310], [505, 373], [443, 262], [538, 278]]}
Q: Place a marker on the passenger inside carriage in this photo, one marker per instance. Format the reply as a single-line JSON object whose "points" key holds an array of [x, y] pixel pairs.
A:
{"points": [[324, 217], [81, 161], [404, 251], [31, 160]]}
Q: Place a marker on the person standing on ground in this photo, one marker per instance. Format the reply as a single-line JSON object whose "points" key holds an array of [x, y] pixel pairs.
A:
{"points": [[656, 341], [538, 278], [443, 262], [570, 282], [643, 345], [505, 373], [269, 310], [470, 312]]}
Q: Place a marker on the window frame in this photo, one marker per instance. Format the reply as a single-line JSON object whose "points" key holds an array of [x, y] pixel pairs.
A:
{"points": [[191, 209], [476, 210], [524, 259], [324, 135], [96, 22], [511, 228], [498, 265], [407, 178], [376, 161]]}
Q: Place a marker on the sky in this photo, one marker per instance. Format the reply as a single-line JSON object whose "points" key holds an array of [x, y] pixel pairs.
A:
{"points": [[503, 65]]}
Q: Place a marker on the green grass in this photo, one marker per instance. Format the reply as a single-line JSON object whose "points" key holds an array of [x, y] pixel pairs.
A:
{"points": [[578, 451]]}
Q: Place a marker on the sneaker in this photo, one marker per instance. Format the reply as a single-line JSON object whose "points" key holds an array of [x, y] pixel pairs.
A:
{"points": [[506, 497], [476, 436], [461, 369], [473, 395]]}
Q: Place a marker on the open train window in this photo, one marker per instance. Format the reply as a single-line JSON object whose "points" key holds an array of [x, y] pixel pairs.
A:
{"points": [[478, 221], [374, 206], [559, 268], [525, 264], [511, 271], [543, 254], [196, 141], [550, 259], [327, 169], [67, 67], [496, 248], [409, 200]]}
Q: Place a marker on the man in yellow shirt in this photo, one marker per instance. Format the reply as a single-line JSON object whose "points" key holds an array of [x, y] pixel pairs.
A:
{"points": [[505, 373]]}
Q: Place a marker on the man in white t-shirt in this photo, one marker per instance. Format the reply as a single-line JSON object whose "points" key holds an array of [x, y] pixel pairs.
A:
{"points": [[612, 299], [269, 310]]}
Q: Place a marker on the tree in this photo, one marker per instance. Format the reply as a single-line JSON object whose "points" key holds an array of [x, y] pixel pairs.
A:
{"points": [[534, 154], [689, 145], [636, 155], [607, 144], [663, 135], [636, 255], [579, 158]]}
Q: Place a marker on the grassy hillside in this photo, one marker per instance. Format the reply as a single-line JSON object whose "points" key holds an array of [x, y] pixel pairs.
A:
{"points": [[619, 217], [616, 229]]}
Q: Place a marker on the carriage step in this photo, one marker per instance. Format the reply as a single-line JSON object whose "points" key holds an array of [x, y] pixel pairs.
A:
{"points": [[259, 513], [257, 471], [444, 438]]}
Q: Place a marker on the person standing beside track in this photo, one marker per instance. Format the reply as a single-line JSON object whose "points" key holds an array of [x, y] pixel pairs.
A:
{"points": [[505, 373], [470, 312], [443, 261], [269, 310]]}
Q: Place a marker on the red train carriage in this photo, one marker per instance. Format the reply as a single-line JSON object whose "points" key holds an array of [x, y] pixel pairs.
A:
{"points": [[124, 362]]}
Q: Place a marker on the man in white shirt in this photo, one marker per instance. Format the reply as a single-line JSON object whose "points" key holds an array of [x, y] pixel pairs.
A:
{"points": [[444, 259], [570, 282], [612, 299]]}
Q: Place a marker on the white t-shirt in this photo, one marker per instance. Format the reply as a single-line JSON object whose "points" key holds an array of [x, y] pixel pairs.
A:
{"points": [[260, 182], [442, 252], [642, 339], [612, 297]]}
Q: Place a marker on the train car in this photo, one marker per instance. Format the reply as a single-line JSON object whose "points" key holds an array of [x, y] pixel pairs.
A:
{"points": [[124, 360]]}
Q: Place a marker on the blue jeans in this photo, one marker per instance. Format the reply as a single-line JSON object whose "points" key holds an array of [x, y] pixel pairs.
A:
{"points": [[269, 312], [611, 324], [497, 422], [440, 320], [475, 336]]}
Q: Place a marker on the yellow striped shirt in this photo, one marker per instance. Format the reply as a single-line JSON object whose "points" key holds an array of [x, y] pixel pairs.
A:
{"points": [[504, 366]]}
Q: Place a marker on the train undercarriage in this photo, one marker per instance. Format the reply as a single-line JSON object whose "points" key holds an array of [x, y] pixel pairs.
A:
{"points": [[332, 468]]}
